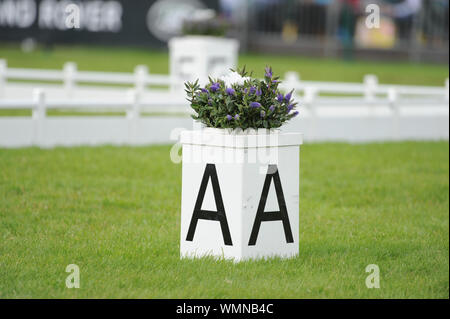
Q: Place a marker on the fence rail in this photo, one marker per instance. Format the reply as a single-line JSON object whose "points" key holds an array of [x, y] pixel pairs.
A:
{"points": [[383, 111], [70, 76]]}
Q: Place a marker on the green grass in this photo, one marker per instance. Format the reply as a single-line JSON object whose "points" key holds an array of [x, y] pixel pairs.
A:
{"points": [[125, 59], [115, 212]]}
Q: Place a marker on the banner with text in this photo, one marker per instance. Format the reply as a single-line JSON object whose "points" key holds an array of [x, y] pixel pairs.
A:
{"points": [[137, 22]]}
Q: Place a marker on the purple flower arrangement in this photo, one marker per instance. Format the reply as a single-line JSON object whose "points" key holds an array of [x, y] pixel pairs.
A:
{"points": [[241, 101]]}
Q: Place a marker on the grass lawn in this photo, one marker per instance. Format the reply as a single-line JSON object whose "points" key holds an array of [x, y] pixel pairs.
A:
{"points": [[125, 59], [115, 212]]}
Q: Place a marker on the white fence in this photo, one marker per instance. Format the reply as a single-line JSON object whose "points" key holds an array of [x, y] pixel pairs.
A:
{"points": [[373, 112], [70, 76]]}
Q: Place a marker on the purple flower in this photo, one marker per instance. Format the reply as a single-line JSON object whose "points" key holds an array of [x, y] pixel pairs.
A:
{"points": [[288, 96], [252, 89], [245, 90], [229, 117], [295, 114], [209, 102], [258, 92], [255, 105], [230, 91], [236, 117], [263, 114], [205, 90], [275, 81], [289, 108], [272, 108], [215, 86], [268, 72], [280, 97]]}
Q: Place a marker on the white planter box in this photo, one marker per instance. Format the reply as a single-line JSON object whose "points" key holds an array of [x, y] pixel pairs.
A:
{"points": [[197, 57], [240, 194]]}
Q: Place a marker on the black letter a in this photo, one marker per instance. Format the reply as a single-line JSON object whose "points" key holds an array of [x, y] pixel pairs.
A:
{"points": [[261, 216], [210, 171]]}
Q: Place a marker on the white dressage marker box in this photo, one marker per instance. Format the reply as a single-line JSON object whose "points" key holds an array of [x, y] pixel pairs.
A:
{"points": [[240, 194], [197, 57]]}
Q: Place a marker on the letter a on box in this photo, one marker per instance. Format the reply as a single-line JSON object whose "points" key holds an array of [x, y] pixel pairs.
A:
{"points": [[219, 215], [262, 216]]}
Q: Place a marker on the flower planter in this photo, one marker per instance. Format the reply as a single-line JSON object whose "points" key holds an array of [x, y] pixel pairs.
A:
{"points": [[197, 57], [240, 194]]}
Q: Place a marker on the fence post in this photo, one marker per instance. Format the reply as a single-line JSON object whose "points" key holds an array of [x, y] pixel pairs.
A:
{"points": [[133, 114], [309, 97], [292, 80], [446, 90], [392, 98], [38, 117], [69, 71], [3, 68], [392, 95], [370, 87], [140, 77]]}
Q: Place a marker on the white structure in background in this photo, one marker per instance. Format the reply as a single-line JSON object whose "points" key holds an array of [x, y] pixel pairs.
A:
{"points": [[356, 112], [197, 57], [240, 194]]}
